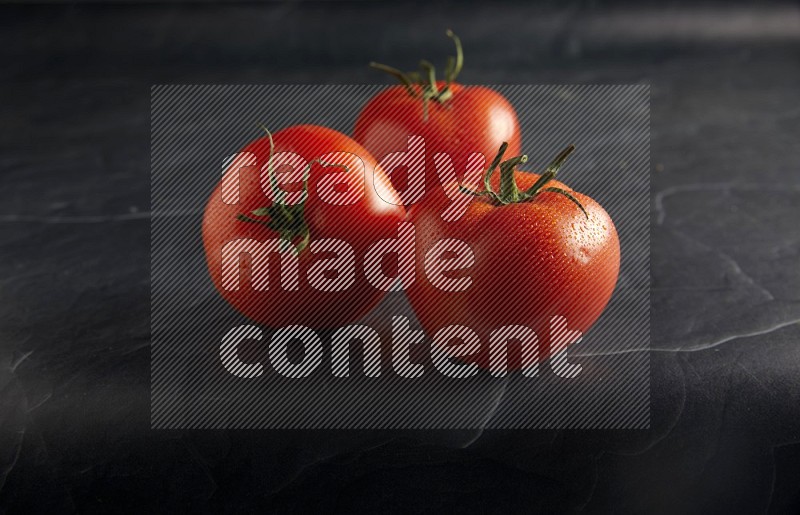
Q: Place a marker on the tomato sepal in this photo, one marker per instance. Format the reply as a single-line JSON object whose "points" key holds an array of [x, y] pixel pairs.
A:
{"points": [[422, 84], [510, 192]]}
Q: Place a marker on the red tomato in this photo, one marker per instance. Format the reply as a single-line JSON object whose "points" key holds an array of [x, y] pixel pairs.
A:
{"points": [[453, 119], [373, 215], [534, 259]]}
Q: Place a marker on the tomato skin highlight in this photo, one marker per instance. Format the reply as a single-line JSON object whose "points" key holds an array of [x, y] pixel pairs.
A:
{"points": [[359, 224], [475, 119], [533, 260]]}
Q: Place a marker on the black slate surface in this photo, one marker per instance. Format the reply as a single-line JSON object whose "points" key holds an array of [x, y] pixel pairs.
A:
{"points": [[74, 259]]}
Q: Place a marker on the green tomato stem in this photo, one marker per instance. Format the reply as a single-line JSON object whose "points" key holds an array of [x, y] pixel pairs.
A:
{"points": [[287, 220], [422, 84], [510, 192]]}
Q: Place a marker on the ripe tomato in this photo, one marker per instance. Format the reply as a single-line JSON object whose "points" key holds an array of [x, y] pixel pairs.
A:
{"points": [[372, 212], [550, 252], [453, 119]]}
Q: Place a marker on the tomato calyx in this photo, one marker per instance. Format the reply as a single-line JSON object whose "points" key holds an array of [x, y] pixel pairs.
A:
{"points": [[510, 192], [422, 83], [288, 220]]}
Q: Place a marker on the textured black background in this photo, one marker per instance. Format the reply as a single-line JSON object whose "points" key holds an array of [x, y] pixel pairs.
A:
{"points": [[74, 261]]}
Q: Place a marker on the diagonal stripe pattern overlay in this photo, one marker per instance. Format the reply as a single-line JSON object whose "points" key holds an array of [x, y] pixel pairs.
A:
{"points": [[195, 129]]}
